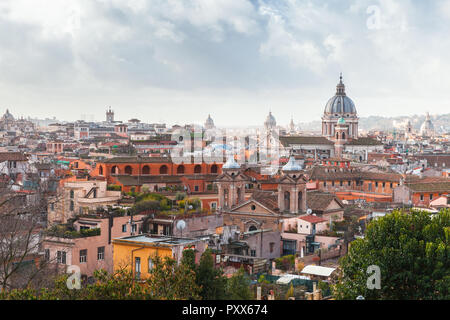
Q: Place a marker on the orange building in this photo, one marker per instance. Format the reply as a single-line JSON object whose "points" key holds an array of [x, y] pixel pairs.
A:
{"points": [[352, 184], [157, 173], [422, 192]]}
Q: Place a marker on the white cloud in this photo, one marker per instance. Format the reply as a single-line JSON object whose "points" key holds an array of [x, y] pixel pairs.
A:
{"points": [[234, 55]]}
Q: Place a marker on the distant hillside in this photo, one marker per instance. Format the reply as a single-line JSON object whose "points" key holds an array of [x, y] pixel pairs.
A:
{"points": [[441, 123]]}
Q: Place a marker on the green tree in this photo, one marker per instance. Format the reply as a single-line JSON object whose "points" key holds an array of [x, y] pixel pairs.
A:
{"points": [[170, 281], [188, 259], [211, 280], [238, 286], [412, 251]]}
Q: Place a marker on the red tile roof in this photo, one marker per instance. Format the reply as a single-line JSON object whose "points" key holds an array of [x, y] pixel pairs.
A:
{"points": [[312, 219]]}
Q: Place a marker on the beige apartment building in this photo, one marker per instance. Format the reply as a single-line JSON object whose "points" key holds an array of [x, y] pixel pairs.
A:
{"points": [[80, 197]]}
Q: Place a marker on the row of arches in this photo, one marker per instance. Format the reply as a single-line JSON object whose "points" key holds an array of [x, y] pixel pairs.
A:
{"points": [[180, 169]]}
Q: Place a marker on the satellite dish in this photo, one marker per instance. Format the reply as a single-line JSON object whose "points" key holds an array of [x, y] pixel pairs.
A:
{"points": [[309, 211], [181, 225]]}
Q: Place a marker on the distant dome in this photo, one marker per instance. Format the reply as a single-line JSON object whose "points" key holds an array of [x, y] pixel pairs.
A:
{"points": [[291, 165], [340, 104], [231, 164], [209, 123], [8, 116], [270, 121], [427, 128]]}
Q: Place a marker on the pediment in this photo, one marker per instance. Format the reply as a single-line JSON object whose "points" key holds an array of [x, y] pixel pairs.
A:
{"points": [[252, 206]]}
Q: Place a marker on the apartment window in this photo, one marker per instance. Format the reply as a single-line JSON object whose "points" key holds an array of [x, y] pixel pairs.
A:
{"points": [[52, 206], [431, 197], [61, 257], [332, 183], [421, 197], [71, 194], [124, 228], [349, 183], [95, 193], [150, 264], [72, 205], [137, 267], [391, 185], [384, 184], [253, 253], [134, 228], [272, 246], [324, 183], [47, 254], [196, 188], [213, 205], [101, 253], [83, 256], [376, 184]]}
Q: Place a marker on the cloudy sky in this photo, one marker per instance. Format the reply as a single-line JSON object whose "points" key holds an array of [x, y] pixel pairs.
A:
{"points": [[176, 61]]}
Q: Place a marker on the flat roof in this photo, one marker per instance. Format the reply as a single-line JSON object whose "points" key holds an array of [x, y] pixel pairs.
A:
{"points": [[157, 240], [318, 270]]}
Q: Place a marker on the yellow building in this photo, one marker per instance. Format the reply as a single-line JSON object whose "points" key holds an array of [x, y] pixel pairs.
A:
{"points": [[137, 252]]}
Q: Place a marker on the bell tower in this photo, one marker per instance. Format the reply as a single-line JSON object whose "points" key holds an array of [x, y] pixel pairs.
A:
{"points": [[231, 185], [109, 115], [292, 188]]}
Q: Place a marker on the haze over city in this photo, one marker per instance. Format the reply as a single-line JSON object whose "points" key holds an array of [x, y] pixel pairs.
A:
{"points": [[176, 62]]}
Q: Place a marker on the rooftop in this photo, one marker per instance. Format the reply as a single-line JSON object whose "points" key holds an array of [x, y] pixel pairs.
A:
{"points": [[312, 219], [146, 239], [318, 270]]}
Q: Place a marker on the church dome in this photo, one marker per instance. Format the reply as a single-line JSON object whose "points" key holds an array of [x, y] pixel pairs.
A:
{"points": [[8, 116], [341, 120], [340, 104], [231, 164], [270, 121], [427, 128], [291, 165], [209, 123]]}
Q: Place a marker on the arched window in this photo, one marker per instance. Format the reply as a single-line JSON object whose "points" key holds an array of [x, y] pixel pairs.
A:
{"points": [[145, 169], [100, 170], [128, 170], [114, 170], [337, 135], [214, 168], [343, 135], [198, 169], [252, 228], [180, 169], [300, 201], [163, 169], [287, 201]]}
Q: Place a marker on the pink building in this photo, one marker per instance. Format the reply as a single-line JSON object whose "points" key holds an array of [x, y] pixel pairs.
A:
{"points": [[90, 246]]}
